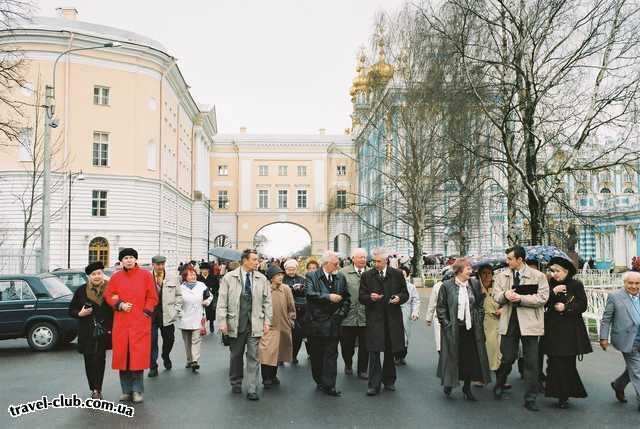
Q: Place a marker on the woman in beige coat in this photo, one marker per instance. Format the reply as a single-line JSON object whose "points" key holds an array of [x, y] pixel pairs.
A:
{"points": [[277, 345], [491, 317]]}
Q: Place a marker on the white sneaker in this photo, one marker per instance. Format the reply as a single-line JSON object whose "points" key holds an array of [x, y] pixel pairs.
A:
{"points": [[137, 397], [125, 397]]}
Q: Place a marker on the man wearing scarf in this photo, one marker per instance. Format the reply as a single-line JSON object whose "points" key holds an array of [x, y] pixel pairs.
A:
{"points": [[95, 319], [132, 293]]}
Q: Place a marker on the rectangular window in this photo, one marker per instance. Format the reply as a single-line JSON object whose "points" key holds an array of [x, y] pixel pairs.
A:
{"points": [[282, 170], [263, 170], [98, 203], [302, 170], [100, 149], [263, 199], [341, 200], [101, 95], [302, 198], [25, 149], [342, 170], [223, 199], [223, 170], [282, 198]]}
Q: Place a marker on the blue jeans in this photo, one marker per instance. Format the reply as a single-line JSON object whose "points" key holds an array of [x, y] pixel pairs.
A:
{"points": [[132, 381]]}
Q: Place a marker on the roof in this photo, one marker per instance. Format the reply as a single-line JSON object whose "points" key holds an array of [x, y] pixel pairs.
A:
{"points": [[103, 31], [285, 138]]}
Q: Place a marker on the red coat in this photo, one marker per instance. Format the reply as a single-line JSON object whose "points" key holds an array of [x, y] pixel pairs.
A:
{"points": [[132, 331]]}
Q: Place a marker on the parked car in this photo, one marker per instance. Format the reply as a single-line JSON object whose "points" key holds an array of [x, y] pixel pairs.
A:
{"points": [[72, 278], [36, 307]]}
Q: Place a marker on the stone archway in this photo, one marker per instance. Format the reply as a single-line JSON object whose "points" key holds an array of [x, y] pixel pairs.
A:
{"points": [[280, 239], [342, 244], [99, 250]]}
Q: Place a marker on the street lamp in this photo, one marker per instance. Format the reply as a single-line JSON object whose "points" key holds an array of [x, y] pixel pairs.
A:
{"points": [[72, 176], [51, 122]]}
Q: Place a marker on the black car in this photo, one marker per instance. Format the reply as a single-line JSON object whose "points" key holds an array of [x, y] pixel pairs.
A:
{"points": [[72, 278], [36, 307]]}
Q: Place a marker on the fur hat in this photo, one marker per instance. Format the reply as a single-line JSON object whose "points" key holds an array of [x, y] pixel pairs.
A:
{"points": [[127, 252]]}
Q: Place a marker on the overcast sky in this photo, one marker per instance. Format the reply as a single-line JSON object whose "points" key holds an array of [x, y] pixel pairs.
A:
{"points": [[274, 66]]}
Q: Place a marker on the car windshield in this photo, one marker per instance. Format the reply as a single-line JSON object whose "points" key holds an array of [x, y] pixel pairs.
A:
{"points": [[55, 287], [73, 280]]}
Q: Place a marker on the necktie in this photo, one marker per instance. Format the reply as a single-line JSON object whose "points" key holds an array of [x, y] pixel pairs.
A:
{"points": [[247, 285], [381, 274], [359, 273], [516, 279]]}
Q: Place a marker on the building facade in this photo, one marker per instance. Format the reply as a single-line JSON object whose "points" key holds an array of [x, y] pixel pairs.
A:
{"points": [[126, 120], [305, 180]]}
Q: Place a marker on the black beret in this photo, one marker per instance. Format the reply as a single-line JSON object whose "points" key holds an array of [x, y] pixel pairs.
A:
{"points": [[564, 263], [98, 265], [204, 266], [127, 252]]}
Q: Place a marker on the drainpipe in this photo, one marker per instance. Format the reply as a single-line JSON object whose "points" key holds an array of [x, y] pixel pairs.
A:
{"points": [[159, 153], [236, 148]]}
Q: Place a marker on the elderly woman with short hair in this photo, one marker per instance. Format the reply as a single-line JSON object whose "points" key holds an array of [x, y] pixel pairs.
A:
{"points": [[461, 314]]}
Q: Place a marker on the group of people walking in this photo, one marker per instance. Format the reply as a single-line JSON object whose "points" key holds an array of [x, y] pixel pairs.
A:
{"points": [[483, 324]]}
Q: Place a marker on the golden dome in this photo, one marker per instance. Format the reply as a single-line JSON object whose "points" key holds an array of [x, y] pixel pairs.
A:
{"points": [[381, 72], [361, 81]]}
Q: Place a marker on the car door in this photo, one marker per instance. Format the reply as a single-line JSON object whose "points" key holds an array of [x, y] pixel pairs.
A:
{"points": [[17, 304]]}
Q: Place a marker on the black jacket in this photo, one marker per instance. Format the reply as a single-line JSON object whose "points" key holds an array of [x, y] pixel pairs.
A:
{"points": [[381, 312], [565, 334], [323, 317], [87, 344]]}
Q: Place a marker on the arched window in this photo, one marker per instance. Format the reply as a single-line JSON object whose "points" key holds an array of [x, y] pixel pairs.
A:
{"points": [[99, 250], [581, 191], [221, 241], [628, 191], [605, 191]]}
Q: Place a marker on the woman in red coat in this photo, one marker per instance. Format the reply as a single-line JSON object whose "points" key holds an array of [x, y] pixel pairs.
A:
{"points": [[131, 292]]}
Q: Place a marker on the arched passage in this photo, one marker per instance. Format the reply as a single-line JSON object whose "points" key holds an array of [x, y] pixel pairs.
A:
{"points": [[342, 244], [281, 239]]}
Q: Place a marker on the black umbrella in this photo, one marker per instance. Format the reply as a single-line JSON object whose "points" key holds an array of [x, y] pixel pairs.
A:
{"points": [[225, 253]]}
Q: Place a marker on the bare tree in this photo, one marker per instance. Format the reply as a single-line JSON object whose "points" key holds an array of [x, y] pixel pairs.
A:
{"points": [[29, 197], [11, 70], [560, 87]]}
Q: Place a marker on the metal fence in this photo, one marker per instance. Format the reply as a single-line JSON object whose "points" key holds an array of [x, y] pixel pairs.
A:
{"points": [[19, 261]]}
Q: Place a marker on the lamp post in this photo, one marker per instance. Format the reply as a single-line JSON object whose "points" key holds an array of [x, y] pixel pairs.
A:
{"points": [[77, 176], [51, 122], [208, 228]]}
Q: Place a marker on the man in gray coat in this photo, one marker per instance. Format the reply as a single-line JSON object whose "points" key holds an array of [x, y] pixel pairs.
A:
{"points": [[621, 319], [167, 312], [244, 314]]}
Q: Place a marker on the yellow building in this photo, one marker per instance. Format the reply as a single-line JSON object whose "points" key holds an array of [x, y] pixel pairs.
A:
{"points": [[262, 180], [128, 121]]}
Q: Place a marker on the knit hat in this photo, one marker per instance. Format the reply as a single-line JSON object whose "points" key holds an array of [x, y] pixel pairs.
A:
{"points": [[291, 263], [97, 265], [127, 252]]}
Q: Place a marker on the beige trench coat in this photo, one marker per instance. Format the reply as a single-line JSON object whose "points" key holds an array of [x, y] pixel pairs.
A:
{"points": [[492, 331], [277, 346]]}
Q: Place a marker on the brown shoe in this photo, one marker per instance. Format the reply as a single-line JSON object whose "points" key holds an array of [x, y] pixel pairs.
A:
{"points": [[619, 394]]}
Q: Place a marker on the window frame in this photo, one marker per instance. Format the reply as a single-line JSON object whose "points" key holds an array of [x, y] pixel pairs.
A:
{"points": [[263, 193], [223, 203], [283, 198], [341, 199], [305, 195], [223, 168], [99, 202], [99, 99], [100, 156]]}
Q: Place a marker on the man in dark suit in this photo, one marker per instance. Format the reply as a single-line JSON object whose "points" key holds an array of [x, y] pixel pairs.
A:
{"points": [[382, 290], [327, 305]]}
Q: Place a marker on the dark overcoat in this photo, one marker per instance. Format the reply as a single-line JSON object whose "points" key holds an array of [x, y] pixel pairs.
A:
{"points": [[101, 313], [447, 312], [212, 282], [565, 334], [381, 312], [323, 317]]}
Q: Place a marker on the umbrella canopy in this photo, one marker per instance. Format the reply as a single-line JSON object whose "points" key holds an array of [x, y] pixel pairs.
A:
{"points": [[543, 254], [225, 253], [496, 261]]}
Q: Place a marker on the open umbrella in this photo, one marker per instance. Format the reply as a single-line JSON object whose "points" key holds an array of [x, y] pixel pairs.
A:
{"points": [[543, 254], [225, 253]]}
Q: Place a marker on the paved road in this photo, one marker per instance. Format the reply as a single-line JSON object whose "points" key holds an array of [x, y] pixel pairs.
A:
{"points": [[179, 398]]}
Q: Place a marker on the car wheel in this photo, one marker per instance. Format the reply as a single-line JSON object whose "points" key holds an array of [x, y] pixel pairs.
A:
{"points": [[43, 336]]}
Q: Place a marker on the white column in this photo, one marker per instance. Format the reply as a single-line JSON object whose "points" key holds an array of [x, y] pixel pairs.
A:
{"points": [[620, 247]]}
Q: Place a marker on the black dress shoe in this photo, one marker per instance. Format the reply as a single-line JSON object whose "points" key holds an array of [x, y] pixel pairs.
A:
{"points": [[348, 371], [372, 392], [619, 394], [390, 387], [531, 406], [498, 392], [252, 396], [188, 365], [195, 366], [466, 391], [167, 364], [236, 389], [332, 392], [447, 391], [153, 372], [563, 404]]}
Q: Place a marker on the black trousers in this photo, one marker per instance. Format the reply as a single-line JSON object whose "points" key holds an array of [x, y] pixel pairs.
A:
{"points": [[509, 350], [168, 338], [269, 372], [94, 364], [385, 373], [348, 337], [324, 360]]}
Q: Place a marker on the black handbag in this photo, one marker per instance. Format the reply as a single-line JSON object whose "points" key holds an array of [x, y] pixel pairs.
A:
{"points": [[98, 329], [225, 340]]}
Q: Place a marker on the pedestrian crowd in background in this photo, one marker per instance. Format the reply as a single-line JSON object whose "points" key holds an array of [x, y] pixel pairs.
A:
{"points": [[265, 309]]}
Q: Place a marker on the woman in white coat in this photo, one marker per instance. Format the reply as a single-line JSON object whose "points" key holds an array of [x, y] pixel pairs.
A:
{"points": [[431, 318], [195, 296], [410, 313]]}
